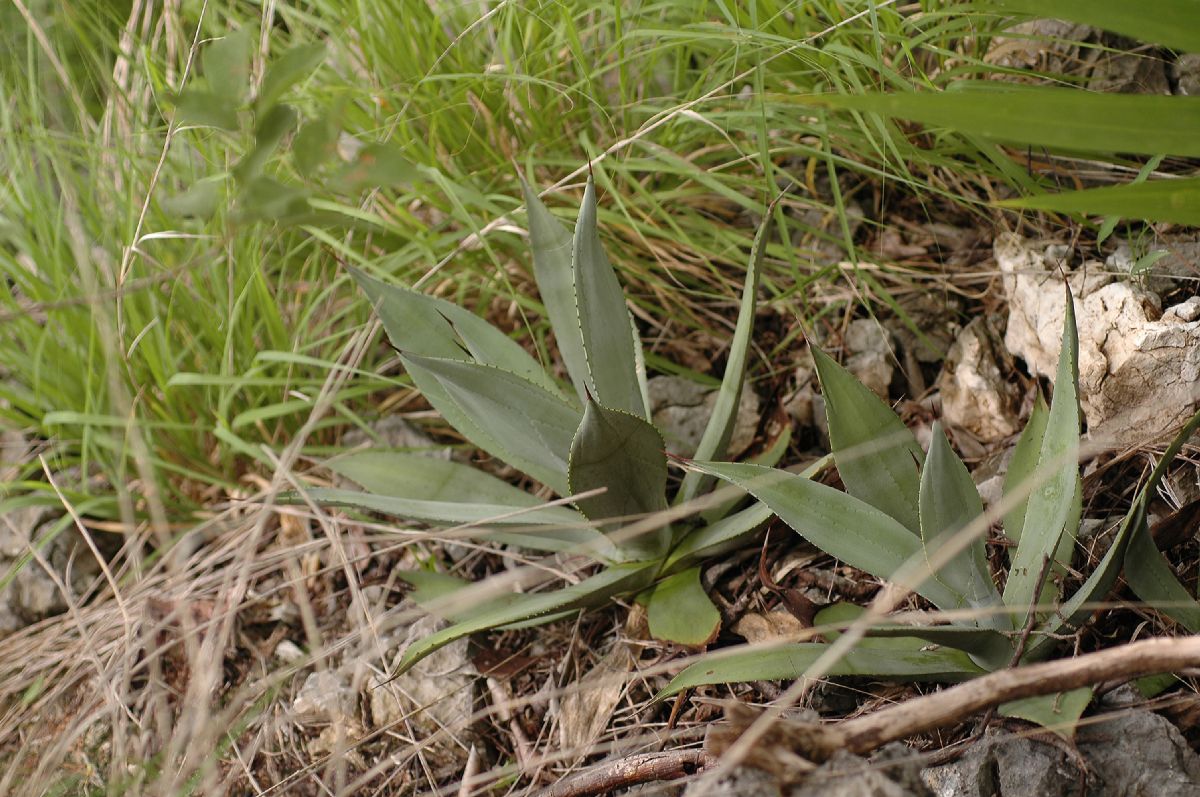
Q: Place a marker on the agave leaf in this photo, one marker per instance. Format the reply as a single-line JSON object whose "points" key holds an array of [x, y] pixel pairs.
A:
{"points": [[1059, 712], [1023, 465], [274, 125], [877, 456], [447, 596], [590, 592], [1176, 201], [401, 475], [719, 429], [551, 244], [987, 647], [1172, 23], [679, 610], [880, 658], [433, 327], [1155, 582], [1050, 504], [770, 458], [1076, 609], [949, 501], [623, 454], [608, 341], [837, 523], [718, 537], [1066, 119], [289, 69], [525, 425]]}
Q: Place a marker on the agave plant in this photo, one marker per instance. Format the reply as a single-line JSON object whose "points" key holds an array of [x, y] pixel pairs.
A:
{"points": [[590, 441], [901, 504]]}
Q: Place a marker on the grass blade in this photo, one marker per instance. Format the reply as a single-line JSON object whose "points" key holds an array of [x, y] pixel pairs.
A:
{"points": [[877, 456], [1176, 201], [608, 340], [1065, 119], [1171, 23]]}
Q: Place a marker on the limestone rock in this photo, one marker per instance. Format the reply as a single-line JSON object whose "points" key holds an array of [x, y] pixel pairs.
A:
{"points": [[681, 408], [871, 355], [975, 394], [325, 697]]}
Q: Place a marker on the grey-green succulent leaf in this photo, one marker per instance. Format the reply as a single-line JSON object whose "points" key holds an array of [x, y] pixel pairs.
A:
{"points": [[719, 429], [502, 413], [876, 454], [1060, 712], [679, 610], [432, 327], [1023, 465], [609, 344], [949, 502], [624, 455], [1050, 504], [551, 244], [837, 523], [590, 592]]}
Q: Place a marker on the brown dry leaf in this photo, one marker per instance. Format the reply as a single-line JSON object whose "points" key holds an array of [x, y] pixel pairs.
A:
{"points": [[769, 627], [585, 711]]}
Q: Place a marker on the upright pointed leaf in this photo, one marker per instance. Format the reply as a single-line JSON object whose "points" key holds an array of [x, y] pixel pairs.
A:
{"points": [[1023, 465], [608, 341], [505, 415], [1050, 504], [1155, 582], [679, 610], [433, 327], [551, 245], [948, 502], [289, 69], [622, 454], [1060, 712], [269, 133], [724, 413], [402, 475], [1171, 23], [877, 456], [837, 523]]}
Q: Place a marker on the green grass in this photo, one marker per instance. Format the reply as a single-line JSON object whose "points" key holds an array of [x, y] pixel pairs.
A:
{"points": [[174, 363]]}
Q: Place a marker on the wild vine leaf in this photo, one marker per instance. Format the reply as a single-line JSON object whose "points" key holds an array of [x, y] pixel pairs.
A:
{"points": [[609, 344], [315, 144], [551, 245], [877, 456], [289, 69], [269, 133], [679, 610], [622, 454]]}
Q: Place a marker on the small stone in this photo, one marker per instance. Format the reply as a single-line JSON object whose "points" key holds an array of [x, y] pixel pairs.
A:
{"points": [[975, 394], [870, 355], [680, 409], [288, 652], [326, 696]]}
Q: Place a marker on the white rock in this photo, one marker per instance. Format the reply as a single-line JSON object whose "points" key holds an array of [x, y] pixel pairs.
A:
{"points": [[1139, 372], [326, 696], [870, 355], [680, 409], [975, 394]]}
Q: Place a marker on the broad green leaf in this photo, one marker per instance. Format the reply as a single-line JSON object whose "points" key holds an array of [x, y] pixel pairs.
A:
{"points": [[226, 64], [1051, 502], [1059, 712], [1023, 465], [679, 610], [400, 475], [987, 647], [377, 166], [837, 523], [1152, 578], [1176, 201], [526, 426], [770, 458], [592, 591], [949, 501], [444, 512], [289, 69], [199, 200], [551, 245], [622, 454], [433, 327], [877, 456], [608, 340], [1171, 23], [719, 429], [1066, 119], [266, 199], [274, 125], [315, 144], [448, 597], [204, 109], [717, 538], [879, 658]]}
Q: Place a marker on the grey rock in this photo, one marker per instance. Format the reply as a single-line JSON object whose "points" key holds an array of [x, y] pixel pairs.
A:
{"points": [[893, 772], [1139, 754], [680, 409], [326, 696], [740, 782], [1186, 71], [975, 393], [1005, 765], [395, 432], [870, 355]]}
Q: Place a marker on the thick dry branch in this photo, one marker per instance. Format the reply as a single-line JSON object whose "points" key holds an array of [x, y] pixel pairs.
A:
{"points": [[949, 706], [647, 768]]}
